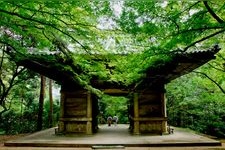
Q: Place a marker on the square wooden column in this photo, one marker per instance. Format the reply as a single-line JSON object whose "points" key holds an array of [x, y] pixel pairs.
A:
{"points": [[149, 112], [136, 129], [61, 125], [75, 112], [89, 113], [164, 122]]}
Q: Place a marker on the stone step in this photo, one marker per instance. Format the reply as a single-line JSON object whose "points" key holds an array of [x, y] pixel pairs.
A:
{"points": [[108, 147]]}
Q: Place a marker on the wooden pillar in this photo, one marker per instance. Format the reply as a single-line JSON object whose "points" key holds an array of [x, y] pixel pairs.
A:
{"points": [[89, 113], [61, 125], [136, 115], [75, 111], [164, 122]]}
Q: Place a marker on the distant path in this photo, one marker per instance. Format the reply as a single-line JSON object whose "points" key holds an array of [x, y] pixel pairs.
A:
{"points": [[118, 130]]}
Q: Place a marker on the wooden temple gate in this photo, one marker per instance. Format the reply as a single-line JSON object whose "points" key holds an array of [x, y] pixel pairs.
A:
{"points": [[147, 109], [79, 111]]}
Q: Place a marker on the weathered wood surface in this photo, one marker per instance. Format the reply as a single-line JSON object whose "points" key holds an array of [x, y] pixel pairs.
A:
{"points": [[150, 107], [77, 112], [76, 107]]}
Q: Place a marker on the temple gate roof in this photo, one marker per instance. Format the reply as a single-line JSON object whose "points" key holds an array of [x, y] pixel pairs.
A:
{"points": [[54, 67]]}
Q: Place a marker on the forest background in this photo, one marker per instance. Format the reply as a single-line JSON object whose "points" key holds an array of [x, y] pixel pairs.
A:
{"points": [[153, 29]]}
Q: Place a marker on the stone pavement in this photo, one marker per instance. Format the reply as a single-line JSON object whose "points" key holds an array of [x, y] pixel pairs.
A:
{"points": [[114, 137]]}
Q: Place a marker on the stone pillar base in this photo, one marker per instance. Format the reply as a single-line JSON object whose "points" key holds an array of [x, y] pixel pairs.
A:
{"points": [[75, 125], [154, 125]]}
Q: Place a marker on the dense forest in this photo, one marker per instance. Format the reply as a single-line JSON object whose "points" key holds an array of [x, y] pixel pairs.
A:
{"points": [[78, 31]]}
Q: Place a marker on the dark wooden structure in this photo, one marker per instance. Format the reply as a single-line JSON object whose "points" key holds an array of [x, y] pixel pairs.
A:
{"points": [[147, 109]]}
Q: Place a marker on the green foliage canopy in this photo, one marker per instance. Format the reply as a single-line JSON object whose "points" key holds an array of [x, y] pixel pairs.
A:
{"points": [[143, 33]]}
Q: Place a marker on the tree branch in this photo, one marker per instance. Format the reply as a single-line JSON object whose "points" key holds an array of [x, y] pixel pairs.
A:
{"points": [[216, 68], [11, 84], [4, 109], [3, 88], [198, 29], [187, 8], [40, 10], [212, 13], [44, 23], [221, 56], [204, 38], [2, 58], [217, 84], [10, 46], [221, 66]]}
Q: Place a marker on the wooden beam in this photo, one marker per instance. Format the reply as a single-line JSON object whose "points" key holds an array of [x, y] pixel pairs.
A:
{"points": [[75, 119], [116, 91]]}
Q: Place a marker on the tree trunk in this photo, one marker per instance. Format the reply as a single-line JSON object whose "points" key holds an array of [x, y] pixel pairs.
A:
{"points": [[41, 104], [50, 115]]}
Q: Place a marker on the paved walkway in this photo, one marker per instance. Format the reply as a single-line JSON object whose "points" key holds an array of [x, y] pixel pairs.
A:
{"points": [[114, 137]]}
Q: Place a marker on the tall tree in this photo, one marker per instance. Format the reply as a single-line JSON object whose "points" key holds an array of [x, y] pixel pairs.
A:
{"points": [[41, 103], [11, 75]]}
